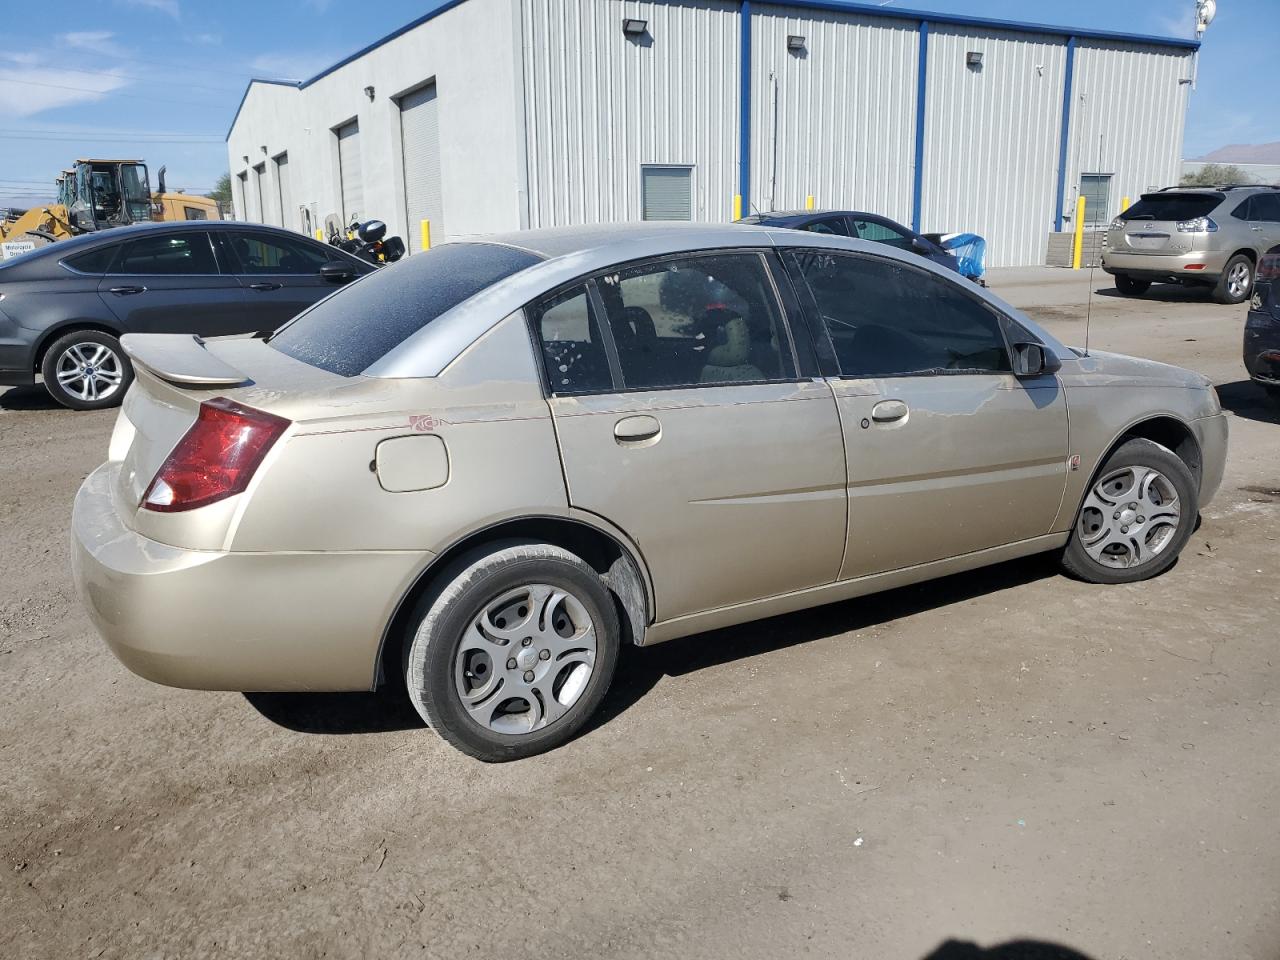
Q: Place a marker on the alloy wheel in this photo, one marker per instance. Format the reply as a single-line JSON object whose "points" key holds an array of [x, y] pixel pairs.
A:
{"points": [[1238, 281], [89, 371]]}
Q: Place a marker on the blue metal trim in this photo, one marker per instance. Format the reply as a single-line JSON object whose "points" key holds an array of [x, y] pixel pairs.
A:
{"points": [[744, 104], [922, 76], [894, 13], [1066, 132], [248, 87]]}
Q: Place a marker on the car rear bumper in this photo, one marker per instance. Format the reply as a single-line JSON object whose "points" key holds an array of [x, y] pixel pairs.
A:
{"points": [[217, 620], [1262, 347], [1211, 435], [1198, 265]]}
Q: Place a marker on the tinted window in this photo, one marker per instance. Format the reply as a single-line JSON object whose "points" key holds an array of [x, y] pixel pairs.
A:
{"points": [[1173, 206], [696, 320], [834, 225], [194, 213], [1266, 206], [95, 261], [1244, 211], [353, 329], [879, 233], [260, 253], [572, 351], [886, 319], [181, 253]]}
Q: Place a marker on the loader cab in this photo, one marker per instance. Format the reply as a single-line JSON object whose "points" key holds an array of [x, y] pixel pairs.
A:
{"points": [[108, 193]]}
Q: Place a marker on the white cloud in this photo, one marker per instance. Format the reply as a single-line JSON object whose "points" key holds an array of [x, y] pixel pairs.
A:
{"points": [[164, 6], [206, 39], [24, 93], [292, 66], [94, 41]]}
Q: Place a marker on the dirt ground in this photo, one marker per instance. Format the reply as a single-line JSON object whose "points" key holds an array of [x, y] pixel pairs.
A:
{"points": [[1000, 755]]}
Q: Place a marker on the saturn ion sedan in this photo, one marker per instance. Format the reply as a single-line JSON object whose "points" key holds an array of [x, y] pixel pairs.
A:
{"points": [[490, 466]]}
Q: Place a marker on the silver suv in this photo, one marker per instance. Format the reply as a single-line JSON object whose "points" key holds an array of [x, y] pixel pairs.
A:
{"points": [[1211, 237]]}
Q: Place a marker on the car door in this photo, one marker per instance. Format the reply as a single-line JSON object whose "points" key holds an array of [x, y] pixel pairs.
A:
{"points": [[1264, 220], [280, 274], [681, 419], [948, 452], [169, 282]]}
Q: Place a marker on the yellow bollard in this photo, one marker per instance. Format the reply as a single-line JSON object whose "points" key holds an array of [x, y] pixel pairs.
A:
{"points": [[1124, 204], [320, 235], [426, 234], [808, 202], [737, 206], [1077, 250]]}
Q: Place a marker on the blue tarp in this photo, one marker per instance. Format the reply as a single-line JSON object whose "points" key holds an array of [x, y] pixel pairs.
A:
{"points": [[968, 249]]}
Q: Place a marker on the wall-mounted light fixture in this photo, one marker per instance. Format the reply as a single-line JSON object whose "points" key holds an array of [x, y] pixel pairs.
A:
{"points": [[245, 159], [368, 92], [974, 58], [795, 43], [633, 27]]}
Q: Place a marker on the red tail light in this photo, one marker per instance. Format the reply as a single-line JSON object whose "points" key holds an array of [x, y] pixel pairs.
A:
{"points": [[215, 459], [1269, 267]]}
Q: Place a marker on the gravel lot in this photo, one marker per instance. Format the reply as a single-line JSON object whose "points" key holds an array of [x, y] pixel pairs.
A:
{"points": [[1004, 754]]}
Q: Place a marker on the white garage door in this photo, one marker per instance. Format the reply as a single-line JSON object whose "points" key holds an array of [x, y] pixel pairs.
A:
{"points": [[288, 216], [420, 134], [349, 169]]}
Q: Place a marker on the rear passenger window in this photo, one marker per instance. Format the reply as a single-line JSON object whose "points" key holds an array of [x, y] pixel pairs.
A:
{"points": [[184, 253], [886, 319], [95, 261], [696, 320], [572, 351]]}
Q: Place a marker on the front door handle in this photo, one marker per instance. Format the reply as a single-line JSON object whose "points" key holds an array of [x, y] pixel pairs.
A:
{"points": [[126, 291], [265, 286], [630, 430], [888, 411]]}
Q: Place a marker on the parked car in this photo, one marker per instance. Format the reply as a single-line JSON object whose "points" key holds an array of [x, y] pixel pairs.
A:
{"points": [[861, 226], [64, 307], [533, 449], [1262, 328], [1205, 237]]}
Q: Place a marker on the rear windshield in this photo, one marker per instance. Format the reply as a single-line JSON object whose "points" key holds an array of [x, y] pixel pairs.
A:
{"points": [[1173, 206], [356, 327]]}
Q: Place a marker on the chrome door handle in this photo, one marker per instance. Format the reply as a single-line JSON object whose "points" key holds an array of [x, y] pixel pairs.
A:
{"points": [[637, 429], [887, 411], [126, 291], [265, 286]]}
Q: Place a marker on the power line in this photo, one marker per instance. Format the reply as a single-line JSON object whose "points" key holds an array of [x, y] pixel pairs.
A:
{"points": [[104, 93], [113, 131], [97, 138], [122, 76]]}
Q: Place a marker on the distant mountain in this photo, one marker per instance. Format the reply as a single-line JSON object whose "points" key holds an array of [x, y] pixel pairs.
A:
{"points": [[1268, 153]]}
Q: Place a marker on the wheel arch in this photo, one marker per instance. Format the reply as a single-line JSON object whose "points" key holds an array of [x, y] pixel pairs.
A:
{"points": [[1165, 429], [61, 329], [608, 552]]}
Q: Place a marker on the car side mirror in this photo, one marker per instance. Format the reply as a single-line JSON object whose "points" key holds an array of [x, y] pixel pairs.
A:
{"points": [[1032, 360], [335, 271], [920, 245]]}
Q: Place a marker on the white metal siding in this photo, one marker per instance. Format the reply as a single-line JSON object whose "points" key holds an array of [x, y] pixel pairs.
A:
{"points": [[1131, 97], [992, 139], [836, 121], [350, 178], [420, 140], [284, 193], [599, 105]]}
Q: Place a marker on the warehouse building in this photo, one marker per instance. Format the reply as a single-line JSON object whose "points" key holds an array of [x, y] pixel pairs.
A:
{"points": [[487, 115]]}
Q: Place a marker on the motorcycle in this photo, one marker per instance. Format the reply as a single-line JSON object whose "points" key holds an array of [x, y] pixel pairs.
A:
{"points": [[368, 241]]}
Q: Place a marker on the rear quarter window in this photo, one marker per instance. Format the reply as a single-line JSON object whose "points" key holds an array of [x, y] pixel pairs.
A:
{"points": [[94, 261], [360, 324]]}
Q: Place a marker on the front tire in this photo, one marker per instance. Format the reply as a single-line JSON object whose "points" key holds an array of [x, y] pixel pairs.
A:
{"points": [[86, 370], [1236, 282], [1136, 516], [1130, 287], [513, 651]]}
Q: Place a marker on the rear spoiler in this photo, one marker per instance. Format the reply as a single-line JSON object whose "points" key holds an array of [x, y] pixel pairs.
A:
{"points": [[180, 358]]}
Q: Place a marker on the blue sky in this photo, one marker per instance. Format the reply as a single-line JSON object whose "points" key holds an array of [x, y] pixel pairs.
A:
{"points": [[160, 79]]}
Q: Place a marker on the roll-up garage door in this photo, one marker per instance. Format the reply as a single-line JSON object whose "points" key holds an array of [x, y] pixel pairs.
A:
{"points": [[420, 135], [349, 168], [259, 174], [288, 215]]}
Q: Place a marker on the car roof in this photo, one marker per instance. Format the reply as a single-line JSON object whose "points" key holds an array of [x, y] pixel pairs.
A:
{"points": [[776, 217]]}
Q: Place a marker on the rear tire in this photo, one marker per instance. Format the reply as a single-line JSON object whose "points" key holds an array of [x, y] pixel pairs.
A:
{"points": [[1236, 282], [513, 651], [1130, 287], [1135, 517], [86, 370]]}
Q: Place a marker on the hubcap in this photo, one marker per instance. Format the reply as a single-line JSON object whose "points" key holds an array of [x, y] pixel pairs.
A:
{"points": [[89, 371], [525, 659], [1129, 517], [1238, 280]]}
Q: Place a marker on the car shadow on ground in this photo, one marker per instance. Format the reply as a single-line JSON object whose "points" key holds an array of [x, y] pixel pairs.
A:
{"points": [[1248, 400], [34, 397], [1013, 950], [1165, 293], [640, 669]]}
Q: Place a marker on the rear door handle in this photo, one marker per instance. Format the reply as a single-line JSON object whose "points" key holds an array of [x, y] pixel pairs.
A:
{"points": [[265, 286], [887, 411], [637, 429], [126, 291]]}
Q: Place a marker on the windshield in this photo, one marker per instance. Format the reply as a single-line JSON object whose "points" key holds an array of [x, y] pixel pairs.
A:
{"points": [[1173, 206], [350, 331]]}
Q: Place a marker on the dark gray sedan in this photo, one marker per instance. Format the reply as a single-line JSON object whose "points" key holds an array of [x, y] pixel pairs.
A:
{"points": [[64, 306], [859, 226]]}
